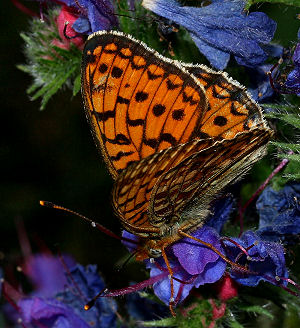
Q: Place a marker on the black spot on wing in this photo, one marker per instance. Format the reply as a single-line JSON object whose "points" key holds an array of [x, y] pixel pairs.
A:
{"points": [[102, 117], [137, 122], [141, 96], [121, 100], [234, 111], [171, 85], [103, 68], [188, 99], [158, 109], [220, 121], [168, 138], [120, 155], [178, 114], [116, 72]]}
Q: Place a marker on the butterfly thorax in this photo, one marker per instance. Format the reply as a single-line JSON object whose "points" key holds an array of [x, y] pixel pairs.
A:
{"points": [[152, 245], [150, 248]]}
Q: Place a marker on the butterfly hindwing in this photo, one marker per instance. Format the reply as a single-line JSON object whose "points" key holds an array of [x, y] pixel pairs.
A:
{"points": [[188, 188], [151, 192]]}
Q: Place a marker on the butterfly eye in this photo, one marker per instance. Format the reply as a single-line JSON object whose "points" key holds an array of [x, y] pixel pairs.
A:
{"points": [[154, 252]]}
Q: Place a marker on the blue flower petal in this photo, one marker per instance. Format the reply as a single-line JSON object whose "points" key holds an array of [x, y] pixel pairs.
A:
{"points": [[218, 58], [130, 246], [260, 89], [279, 212], [223, 26], [81, 25], [47, 273], [266, 260], [162, 289], [194, 256], [88, 281], [222, 209], [49, 313]]}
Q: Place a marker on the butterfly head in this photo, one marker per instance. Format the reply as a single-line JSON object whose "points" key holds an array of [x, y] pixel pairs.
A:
{"points": [[149, 249]]}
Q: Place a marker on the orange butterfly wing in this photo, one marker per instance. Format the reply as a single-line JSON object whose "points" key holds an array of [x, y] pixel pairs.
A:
{"points": [[139, 102], [230, 108], [176, 186], [172, 134]]}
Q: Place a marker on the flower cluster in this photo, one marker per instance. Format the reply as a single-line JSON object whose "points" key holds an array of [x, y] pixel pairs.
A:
{"points": [[60, 290], [293, 79], [195, 264], [221, 29], [88, 16]]}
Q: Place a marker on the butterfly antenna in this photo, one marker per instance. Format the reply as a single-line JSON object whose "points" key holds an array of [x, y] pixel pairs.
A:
{"points": [[92, 302], [92, 223], [127, 260]]}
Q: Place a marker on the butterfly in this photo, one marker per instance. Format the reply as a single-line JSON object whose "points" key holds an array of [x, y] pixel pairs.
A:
{"points": [[173, 136]]}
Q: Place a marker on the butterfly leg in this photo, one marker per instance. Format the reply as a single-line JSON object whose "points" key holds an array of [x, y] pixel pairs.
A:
{"points": [[233, 264], [172, 302]]}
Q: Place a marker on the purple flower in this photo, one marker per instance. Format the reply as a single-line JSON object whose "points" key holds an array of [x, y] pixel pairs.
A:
{"points": [[265, 260], [49, 313], [260, 88], [46, 273], [220, 29], [222, 209], [60, 296], [292, 83], [279, 212], [93, 15], [193, 264], [88, 283]]}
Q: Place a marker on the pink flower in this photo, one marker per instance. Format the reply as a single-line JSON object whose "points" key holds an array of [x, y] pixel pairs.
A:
{"points": [[64, 21], [227, 288]]}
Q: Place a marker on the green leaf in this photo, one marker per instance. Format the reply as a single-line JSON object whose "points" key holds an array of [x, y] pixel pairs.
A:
{"points": [[257, 310], [291, 157], [287, 146], [292, 119], [167, 322], [76, 85], [286, 2], [234, 324], [50, 66], [23, 68]]}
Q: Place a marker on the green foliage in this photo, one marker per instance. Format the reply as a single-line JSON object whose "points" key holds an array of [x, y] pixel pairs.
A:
{"points": [[198, 314], [255, 309], [50, 66], [286, 2], [288, 125]]}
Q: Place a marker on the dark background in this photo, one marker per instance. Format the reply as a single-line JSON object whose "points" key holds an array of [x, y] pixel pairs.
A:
{"points": [[50, 155]]}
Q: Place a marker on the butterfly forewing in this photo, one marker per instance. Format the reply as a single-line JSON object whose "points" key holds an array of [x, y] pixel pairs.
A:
{"points": [[137, 101], [230, 109]]}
